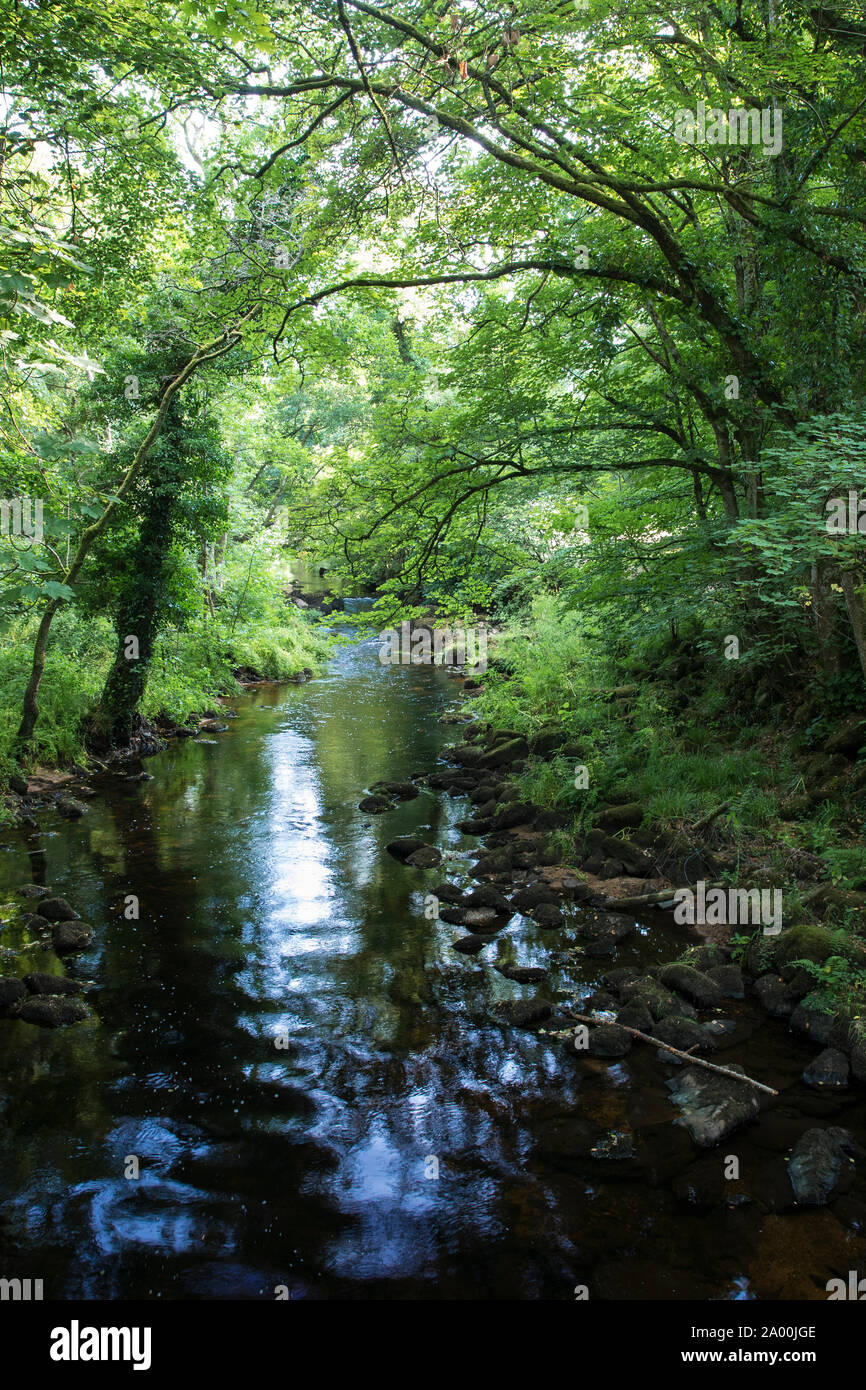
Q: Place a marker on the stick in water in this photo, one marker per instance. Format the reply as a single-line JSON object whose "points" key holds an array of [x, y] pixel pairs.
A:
{"points": [[696, 1061]]}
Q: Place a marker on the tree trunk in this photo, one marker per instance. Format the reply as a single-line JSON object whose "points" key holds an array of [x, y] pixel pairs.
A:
{"points": [[852, 588], [30, 707], [824, 616], [141, 607]]}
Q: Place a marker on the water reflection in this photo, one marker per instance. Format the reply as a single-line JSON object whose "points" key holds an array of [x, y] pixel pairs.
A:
{"points": [[404, 1143]]}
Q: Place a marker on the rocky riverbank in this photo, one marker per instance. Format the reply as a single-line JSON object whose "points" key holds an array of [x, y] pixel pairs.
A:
{"points": [[615, 877]]}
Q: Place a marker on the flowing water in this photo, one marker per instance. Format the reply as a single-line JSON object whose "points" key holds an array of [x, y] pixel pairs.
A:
{"points": [[403, 1143]]}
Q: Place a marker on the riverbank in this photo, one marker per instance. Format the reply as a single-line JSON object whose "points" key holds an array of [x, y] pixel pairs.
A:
{"points": [[601, 874], [193, 675], [286, 1039]]}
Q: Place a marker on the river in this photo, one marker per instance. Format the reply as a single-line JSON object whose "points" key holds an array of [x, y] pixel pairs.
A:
{"points": [[403, 1143]]}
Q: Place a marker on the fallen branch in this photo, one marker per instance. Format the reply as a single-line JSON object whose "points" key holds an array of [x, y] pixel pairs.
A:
{"points": [[708, 820], [664, 895], [643, 899], [684, 1056]]}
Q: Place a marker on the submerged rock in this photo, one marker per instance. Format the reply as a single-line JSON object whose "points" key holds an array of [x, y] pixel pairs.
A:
{"points": [[403, 846], [829, 1069], [447, 893], [374, 805], [812, 1023], [729, 980], [403, 791], [682, 1033], [71, 936], [481, 918], [712, 1106], [452, 914], [607, 1040], [546, 915], [604, 931], [487, 896], [52, 1010], [533, 895], [620, 977], [71, 809], [427, 857], [693, 984], [470, 945], [33, 890], [57, 910], [821, 1159], [522, 974], [523, 1013], [37, 923], [616, 1144], [40, 983]]}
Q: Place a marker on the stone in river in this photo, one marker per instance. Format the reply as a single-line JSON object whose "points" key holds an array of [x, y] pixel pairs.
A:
{"points": [[829, 1069], [522, 974], [609, 1041], [820, 1161], [403, 846], [523, 1013], [427, 857], [52, 984], [52, 1010], [547, 915], [57, 910], [712, 1106], [71, 936], [469, 945], [481, 918]]}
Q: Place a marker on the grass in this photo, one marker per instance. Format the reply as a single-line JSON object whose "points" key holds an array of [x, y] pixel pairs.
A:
{"points": [[680, 755], [190, 668]]}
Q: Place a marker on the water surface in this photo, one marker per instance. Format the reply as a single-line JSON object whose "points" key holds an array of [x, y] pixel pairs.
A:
{"points": [[403, 1143]]}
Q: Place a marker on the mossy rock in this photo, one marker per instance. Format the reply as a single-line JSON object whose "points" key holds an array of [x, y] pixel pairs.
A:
{"points": [[811, 942], [832, 790], [820, 766]]}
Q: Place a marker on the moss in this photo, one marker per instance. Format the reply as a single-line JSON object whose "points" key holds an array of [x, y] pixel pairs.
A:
{"points": [[810, 942]]}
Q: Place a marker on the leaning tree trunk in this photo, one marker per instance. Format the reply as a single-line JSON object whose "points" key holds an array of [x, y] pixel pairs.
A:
{"points": [[140, 611], [30, 708], [852, 588]]}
